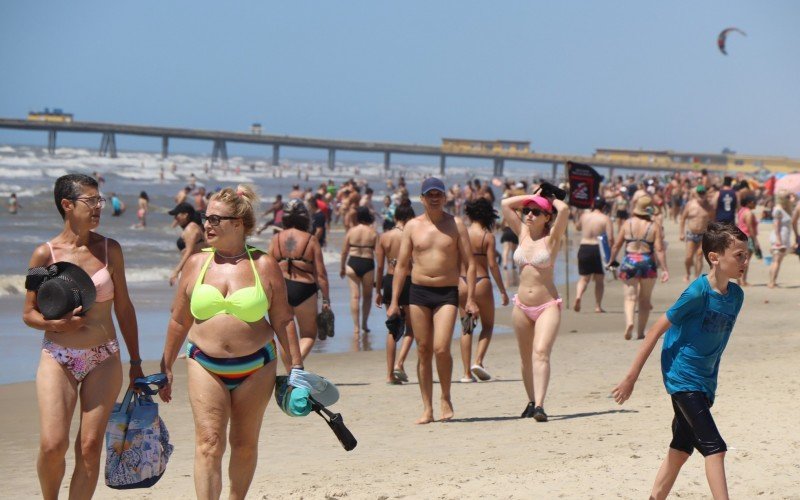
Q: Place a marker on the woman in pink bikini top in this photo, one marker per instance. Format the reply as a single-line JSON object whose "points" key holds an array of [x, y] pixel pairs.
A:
{"points": [[540, 225], [80, 356]]}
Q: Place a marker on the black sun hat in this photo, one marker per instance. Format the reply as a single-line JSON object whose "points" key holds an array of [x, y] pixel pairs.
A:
{"points": [[60, 288], [182, 208]]}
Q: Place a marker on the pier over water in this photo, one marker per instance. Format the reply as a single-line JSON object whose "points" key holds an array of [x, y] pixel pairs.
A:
{"points": [[609, 158]]}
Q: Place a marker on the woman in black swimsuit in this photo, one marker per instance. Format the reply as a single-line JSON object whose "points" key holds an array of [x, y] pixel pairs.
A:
{"points": [[358, 264], [299, 256], [510, 241], [192, 238], [387, 251], [481, 239]]}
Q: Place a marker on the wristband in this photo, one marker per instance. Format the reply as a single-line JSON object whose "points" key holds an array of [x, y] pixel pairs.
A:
{"points": [[136, 362], [326, 301], [297, 367]]}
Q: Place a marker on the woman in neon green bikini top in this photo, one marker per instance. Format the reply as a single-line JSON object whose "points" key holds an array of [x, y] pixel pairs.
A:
{"points": [[231, 301]]}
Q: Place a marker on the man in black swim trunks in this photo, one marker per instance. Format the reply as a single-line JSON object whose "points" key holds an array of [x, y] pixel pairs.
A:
{"points": [[435, 241], [592, 224]]}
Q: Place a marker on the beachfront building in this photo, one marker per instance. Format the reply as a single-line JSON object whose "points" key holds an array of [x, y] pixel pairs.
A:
{"points": [[482, 146], [772, 163], [720, 162], [54, 116], [634, 156]]}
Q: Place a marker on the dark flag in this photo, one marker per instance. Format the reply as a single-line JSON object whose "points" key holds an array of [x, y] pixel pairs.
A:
{"points": [[584, 184]]}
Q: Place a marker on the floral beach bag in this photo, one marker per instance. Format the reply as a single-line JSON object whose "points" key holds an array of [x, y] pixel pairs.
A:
{"points": [[137, 441]]}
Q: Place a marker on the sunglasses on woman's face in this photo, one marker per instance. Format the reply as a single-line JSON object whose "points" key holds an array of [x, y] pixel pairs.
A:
{"points": [[214, 220], [535, 211]]}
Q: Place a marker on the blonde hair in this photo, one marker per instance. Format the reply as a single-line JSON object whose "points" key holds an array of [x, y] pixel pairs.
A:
{"points": [[782, 199], [244, 201]]}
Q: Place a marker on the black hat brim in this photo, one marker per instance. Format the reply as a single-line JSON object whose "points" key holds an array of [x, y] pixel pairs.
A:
{"points": [[55, 304]]}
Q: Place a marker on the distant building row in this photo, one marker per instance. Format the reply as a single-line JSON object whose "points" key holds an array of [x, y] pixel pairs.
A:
{"points": [[727, 160], [722, 161], [479, 146], [54, 116]]}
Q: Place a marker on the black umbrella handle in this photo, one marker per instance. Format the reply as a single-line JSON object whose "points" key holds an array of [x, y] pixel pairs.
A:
{"points": [[336, 423]]}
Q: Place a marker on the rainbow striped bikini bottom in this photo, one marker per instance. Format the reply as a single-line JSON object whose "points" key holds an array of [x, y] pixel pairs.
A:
{"points": [[233, 371]]}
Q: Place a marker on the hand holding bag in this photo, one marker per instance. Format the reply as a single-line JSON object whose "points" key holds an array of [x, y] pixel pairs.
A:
{"points": [[137, 441]]}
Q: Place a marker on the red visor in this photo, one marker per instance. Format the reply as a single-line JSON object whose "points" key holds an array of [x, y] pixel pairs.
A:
{"points": [[539, 201]]}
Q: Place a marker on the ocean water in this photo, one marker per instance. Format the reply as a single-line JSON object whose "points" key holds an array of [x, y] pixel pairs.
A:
{"points": [[150, 253]]}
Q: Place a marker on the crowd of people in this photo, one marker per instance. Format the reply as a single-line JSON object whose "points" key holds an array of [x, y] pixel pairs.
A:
{"points": [[430, 271]]}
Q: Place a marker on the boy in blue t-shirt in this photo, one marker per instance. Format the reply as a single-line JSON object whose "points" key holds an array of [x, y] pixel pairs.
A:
{"points": [[697, 328]]}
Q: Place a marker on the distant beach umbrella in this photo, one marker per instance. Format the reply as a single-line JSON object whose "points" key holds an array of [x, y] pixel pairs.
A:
{"points": [[723, 37], [789, 182]]}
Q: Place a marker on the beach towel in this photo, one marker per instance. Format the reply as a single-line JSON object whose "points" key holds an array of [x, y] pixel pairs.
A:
{"points": [[137, 441]]}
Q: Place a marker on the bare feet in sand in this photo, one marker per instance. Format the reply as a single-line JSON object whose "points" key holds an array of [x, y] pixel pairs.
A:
{"points": [[599, 309], [447, 410], [686, 279], [628, 332], [577, 306], [426, 418]]}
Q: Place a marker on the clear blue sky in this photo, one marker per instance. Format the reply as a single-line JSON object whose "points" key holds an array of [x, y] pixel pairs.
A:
{"points": [[570, 76]]}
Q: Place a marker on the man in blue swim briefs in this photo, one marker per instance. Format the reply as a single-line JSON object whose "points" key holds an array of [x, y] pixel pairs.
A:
{"points": [[697, 328], [693, 221], [435, 241]]}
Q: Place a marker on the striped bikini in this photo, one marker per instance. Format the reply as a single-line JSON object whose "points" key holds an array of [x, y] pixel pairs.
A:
{"points": [[233, 371], [250, 305]]}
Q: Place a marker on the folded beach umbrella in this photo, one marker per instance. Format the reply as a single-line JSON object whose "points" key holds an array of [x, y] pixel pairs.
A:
{"points": [[292, 400], [320, 388], [306, 392]]}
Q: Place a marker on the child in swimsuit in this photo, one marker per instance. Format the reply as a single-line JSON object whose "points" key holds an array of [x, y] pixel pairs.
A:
{"points": [[697, 329]]}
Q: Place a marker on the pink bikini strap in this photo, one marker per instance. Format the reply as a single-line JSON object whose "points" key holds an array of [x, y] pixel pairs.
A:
{"points": [[52, 252]]}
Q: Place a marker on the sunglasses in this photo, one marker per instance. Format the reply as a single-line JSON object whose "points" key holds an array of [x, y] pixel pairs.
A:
{"points": [[535, 211], [214, 220], [92, 202]]}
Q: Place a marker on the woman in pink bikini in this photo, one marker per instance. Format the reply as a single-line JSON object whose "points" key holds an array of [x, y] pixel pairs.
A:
{"points": [[80, 357], [537, 306]]}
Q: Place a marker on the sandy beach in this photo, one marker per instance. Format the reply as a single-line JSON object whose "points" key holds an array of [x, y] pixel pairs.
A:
{"points": [[591, 448]]}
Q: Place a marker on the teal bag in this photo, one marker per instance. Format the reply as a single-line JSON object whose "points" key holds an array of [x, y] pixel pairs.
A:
{"points": [[137, 441]]}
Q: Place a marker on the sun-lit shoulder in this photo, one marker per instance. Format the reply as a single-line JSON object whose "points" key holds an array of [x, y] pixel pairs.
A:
{"points": [[415, 221], [40, 256], [195, 261], [113, 245], [263, 260]]}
